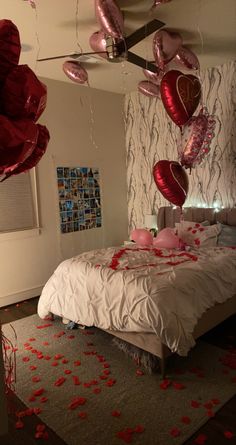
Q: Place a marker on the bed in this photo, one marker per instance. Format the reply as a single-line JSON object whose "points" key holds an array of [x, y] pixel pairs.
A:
{"points": [[158, 300]]}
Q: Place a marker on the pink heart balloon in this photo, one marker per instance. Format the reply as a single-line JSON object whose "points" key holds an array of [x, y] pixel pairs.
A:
{"points": [[154, 77], [196, 139], [165, 46], [97, 41], [187, 58], [75, 71], [142, 237], [110, 17], [166, 238], [149, 88]]}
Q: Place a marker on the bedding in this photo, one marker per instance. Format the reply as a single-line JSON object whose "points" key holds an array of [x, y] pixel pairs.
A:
{"points": [[146, 290], [227, 235], [198, 234]]}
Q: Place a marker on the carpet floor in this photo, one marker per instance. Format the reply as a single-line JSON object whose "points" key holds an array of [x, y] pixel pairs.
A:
{"points": [[89, 392]]}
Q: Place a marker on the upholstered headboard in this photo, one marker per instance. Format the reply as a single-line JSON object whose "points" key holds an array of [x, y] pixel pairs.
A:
{"points": [[168, 216]]}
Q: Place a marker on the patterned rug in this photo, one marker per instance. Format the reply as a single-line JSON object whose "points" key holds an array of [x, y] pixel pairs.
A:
{"points": [[89, 392]]}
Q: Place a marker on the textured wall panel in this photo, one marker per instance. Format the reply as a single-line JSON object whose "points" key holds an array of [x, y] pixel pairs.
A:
{"points": [[151, 135]]}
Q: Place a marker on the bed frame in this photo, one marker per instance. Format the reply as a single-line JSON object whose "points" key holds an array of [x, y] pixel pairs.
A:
{"points": [[167, 217]]}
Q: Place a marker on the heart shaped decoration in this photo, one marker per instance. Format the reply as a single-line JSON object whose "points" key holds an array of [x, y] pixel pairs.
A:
{"points": [[165, 46], [172, 181], [148, 88], [181, 94]]}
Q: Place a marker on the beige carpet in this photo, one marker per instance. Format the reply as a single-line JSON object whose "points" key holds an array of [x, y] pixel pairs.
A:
{"points": [[104, 397]]}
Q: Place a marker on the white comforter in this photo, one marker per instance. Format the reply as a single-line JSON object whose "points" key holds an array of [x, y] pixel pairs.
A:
{"points": [[142, 290]]}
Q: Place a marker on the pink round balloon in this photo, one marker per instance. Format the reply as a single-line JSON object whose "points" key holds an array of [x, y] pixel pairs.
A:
{"points": [[165, 46], [167, 239], [187, 58], [196, 139], [148, 88], [75, 71], [97, 42], [110, 17], [142, 237]]}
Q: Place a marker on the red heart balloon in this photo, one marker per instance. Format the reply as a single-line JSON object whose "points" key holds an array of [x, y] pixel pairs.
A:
{"points": [[10, 47], [181, 94], [172, 181]]}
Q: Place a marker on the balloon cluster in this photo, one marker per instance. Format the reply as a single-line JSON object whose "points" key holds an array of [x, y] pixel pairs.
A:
{"points": [[180, 94], [22, 101]]}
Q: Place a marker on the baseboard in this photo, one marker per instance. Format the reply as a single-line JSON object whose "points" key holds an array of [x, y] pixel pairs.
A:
{"points": [[20, 296]]}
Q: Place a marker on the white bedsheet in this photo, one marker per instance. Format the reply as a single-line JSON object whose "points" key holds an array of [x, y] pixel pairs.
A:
{"points": [[142, 290]]}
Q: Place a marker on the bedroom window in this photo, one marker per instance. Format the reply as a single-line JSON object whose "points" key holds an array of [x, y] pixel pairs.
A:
{"points": [[19, 206]]}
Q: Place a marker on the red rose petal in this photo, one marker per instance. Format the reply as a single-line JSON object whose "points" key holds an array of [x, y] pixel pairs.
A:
{"points": [[19, 425], [32, 339], [38, 392], [67, 371], [37, 411], [208, 405], [64, 361], [110, 382], [200, 439], [82, 415], [228, 434], [96, 390], [77, 401], [106, 371], [43, 399], [45, 343], [178, 386], [139, 429], [215, 401], [139, 372], [165, 384], [31, 399], [106, 365], [36, 379], [32, 368], [25, 359], [175, 432], [195, 404], [76, 380], [40, 427], [60, 381], [47, 357], [77, 363], [70, 337], [116, 413], [186, 420], [54, 364], [58, 356], [43, 326]]}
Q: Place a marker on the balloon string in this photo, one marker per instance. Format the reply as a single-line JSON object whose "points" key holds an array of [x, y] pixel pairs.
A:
{"points": [[77, 25], [37, 36], [91, 121]]}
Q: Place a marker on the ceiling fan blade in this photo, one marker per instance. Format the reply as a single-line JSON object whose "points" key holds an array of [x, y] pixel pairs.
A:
{"points": [[143, 32], [73, 56], [137, 60]]}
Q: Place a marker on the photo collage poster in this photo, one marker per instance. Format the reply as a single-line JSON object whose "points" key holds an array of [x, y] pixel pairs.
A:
{"points": [[79, 198]]}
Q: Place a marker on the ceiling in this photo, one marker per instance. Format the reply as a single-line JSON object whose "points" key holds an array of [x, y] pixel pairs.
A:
{"points": [[208, 27]]}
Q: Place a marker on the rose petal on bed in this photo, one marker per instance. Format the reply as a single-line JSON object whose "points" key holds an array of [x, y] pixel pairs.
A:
{"points": [[38, 435], [106, 365], [40, 356], [43, 399], [32, 368], [228, 434], [19, 425], [82, 415], [125, 436], [32, 339], [47, 357], [37, 410], [64, 361], [87, 384], [110, 382], [165, 384], [31, 399], [210, 413], [59, 381], [186, 420], [77, 363], [25, 359], [103, 377], [29, 411], [45, 343], [78, 401], [96, 390], [67, 371], [116, 413], [139, 372], [195, 404], [36, 379], [76, 380], [175, 432], [106, 371], [70, 337], [28, 348], [200, 439], [34, 351], [59, 334], [26, 344], [54, 364]]}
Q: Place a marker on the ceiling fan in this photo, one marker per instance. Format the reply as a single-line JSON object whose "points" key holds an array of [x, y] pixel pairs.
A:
{"points": [[117, 50]]}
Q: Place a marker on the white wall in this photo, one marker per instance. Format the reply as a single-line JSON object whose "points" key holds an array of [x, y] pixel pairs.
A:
{"points": [[151, 135], [87, 129]]}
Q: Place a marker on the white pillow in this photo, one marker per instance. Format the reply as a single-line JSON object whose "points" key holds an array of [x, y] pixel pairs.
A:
{"points": [[197, 234]]}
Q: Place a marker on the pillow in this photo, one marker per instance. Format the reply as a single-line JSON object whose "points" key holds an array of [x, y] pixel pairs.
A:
{"points": [[227, 236], [197, 234]]}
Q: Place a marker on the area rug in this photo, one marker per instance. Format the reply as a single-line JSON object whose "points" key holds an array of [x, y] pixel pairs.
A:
{"points": [[90, 393]]}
